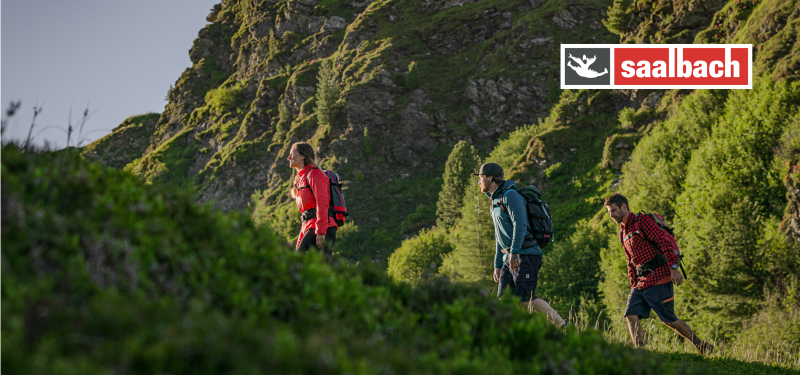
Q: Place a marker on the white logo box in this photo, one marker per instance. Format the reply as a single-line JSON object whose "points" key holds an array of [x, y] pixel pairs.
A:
{"points": [[725, 64]]}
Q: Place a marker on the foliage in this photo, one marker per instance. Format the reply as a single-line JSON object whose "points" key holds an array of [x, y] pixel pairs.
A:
{"points": [[472, 261], [617, 17], [616, 149], [778, 320], [730, 206], [412, 78], [614, 285], [223, 99], [569, 275], [103, 274], [463, 161], [655, 175], [420, 257], [328, 93]]}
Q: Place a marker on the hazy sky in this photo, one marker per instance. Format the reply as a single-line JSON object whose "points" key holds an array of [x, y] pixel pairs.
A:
{"points": [[118, 57]]}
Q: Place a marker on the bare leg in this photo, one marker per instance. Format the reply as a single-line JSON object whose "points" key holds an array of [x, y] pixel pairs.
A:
{"points": [[541, 306], [635, 328], [683, 329]]}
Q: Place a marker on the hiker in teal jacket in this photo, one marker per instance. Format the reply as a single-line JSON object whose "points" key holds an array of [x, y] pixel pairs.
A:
{"points": [[511, 227], [518, 257]]}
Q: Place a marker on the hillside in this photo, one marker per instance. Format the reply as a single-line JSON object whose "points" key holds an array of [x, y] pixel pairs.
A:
{"points": [[402, 98], [719, 164], [413, 79], [102, 274]]}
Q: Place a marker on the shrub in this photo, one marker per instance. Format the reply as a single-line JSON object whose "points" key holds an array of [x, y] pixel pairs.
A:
{"points": [[223, 99], [728, 232], [570, 274], [654, 177], [778, 321], [420, 257]]}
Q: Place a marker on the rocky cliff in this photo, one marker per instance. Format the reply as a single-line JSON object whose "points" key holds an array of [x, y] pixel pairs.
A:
{"points": [[414, 78]]}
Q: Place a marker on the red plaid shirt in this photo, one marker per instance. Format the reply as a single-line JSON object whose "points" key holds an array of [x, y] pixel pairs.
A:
{"points": [[638, 250]]}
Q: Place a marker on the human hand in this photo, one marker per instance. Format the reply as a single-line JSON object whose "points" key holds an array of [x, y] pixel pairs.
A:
{"points": [[513, 264], [496, 275], [676, 276], [321, 241]]}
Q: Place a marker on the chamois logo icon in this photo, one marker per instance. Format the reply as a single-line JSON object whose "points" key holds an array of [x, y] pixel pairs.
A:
{"points": [[583, 67], [586, 66]]}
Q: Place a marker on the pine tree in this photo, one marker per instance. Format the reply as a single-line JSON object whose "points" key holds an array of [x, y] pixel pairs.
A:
{"points": [[473, 258], [328, 92], [462, 161], [616, 22], [284, 122]]}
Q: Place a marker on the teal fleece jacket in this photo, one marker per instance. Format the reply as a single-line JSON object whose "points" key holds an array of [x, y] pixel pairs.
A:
{"points": [[511, 224]]}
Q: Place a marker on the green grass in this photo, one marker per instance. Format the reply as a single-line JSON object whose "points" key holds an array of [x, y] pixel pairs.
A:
{"points": [[103, 273], [733, 357]]}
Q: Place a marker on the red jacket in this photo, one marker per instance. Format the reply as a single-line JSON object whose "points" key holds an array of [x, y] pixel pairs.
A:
{"points": [[313, 191]]}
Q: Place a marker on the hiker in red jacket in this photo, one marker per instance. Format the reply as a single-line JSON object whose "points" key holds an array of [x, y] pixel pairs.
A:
{"points": [[652, 269], [311, 192]]}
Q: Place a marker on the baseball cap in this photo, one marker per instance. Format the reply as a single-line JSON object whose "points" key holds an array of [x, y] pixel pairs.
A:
{"points": [[490, 169]]}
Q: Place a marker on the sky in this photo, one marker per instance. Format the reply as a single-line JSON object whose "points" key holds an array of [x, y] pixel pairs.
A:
{"points": [[117, 58]]}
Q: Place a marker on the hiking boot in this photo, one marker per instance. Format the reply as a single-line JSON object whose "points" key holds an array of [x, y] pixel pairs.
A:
{"points": [[705, 348]]}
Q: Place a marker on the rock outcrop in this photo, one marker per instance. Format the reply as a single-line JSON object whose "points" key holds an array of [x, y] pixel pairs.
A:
{"points": [[479, 71]]}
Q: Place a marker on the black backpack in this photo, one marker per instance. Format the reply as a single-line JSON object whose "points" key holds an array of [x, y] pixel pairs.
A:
{"points": [[540, 220]]}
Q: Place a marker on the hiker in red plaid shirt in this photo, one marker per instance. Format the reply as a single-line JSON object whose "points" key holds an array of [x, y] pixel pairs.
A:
{"points": [[652, 269]]}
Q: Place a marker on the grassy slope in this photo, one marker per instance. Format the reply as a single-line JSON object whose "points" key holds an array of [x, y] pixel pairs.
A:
{"points": [[102, 273], [776, 51], [126, 142]]}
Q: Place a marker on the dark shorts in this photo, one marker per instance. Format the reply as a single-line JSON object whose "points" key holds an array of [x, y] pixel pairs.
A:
{"points": [[522, 282], [310, 240], [657, 297]]}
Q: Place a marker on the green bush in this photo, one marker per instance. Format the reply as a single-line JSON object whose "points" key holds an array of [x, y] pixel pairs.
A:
{"points": [[570, 274], [654, 177], [224, 99], [733, 200], [420, 257]]}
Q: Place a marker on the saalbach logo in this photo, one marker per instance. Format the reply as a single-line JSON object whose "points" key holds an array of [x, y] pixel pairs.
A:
{"points": [[675, 66]]}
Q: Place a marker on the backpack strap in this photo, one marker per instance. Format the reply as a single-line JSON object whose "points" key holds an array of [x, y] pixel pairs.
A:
{"points": [[305, 179], [503, 198], [503, 207], [635, 227]]}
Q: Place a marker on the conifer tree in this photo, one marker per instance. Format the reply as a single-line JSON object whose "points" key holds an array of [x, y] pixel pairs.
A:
{"points": [[328, 92], [462, 161], [617, 20], [284, 121], [473, 258]]}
